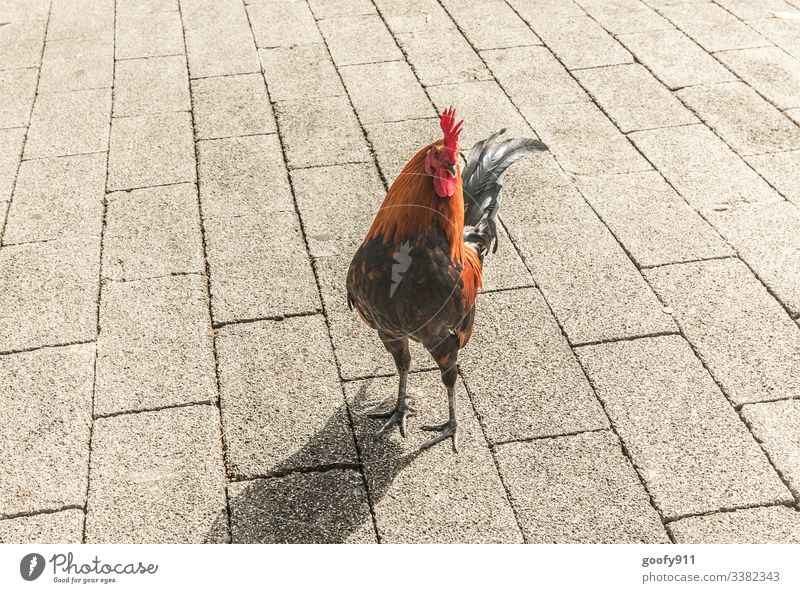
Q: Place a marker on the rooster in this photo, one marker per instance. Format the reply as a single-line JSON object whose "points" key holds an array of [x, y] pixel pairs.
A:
{"points": [[418, 271]]}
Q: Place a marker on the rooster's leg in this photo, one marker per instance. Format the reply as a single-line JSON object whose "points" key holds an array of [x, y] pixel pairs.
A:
{"points": [[402, 410], [449, 370]]}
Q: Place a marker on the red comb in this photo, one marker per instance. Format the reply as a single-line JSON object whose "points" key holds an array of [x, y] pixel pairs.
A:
{"points": [[451, 130]]}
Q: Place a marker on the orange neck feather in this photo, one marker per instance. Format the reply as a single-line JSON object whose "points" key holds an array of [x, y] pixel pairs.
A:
{"points": [[412, 205]]}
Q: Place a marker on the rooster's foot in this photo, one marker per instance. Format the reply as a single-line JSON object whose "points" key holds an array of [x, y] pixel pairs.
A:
{"points": [[446, 431], [396, 416]]}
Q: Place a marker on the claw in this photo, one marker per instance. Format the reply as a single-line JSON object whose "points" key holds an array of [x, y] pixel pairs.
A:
{"points": [[446, 431], [396, 416]]}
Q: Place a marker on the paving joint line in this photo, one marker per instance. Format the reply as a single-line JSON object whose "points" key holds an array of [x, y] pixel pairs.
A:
{"points": [[156, 186], [688, 261], [315, 271], [312, 469], [207, 402], [278, 317], [545, 437], [649, 336], [100, 282], [208, 293], [731, 509], [42, 347], [27, 127], [22, 514]]}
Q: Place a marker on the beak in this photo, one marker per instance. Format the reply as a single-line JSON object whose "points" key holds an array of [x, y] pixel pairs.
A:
{"points": [[451, 169]]}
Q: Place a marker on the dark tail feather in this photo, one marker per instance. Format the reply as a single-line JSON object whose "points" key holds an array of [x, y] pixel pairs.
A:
{"points": [[486, 163]]}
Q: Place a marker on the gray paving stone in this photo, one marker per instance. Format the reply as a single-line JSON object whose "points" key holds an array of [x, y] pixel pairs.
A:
{"points": [[320, 132], [746, 9], [11, 142], [767, 237], [778, 525], [578, 489], [47, 396], [435, 496], [395, 143], [300, 72], [701, 167], [328, 507], [470, 100], [77, 64], [65, 527], [219, 41], [624, 16], [406, 16], [770, 71], [283, 23], [157, 477], [359, 39], [74, 122], [243, 177], [259, 268], [714, 28], [689, 445], [742, 118], [81, 19], [777, 426], [152, 232], [48, 293], [579, 42], [633, 98], [140, 6], [539, 10], [650, 219], [337, 205], [442, 58], [533, 77], [326, 9], [149, 34], [489, 25], [674, 59], [782, 32], [17, 90], [57, 198], [272, 424], [20, 10], [232, 106], [781, 170], [742, 334], [151, 85], [370, 85], [505, 269], [151, 150], [154, 349], [584, 140], [533, 387], [594, 289], [21, 44]]}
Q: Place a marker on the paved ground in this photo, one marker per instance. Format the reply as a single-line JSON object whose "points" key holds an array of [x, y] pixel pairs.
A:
{"points": [[182, 185]]}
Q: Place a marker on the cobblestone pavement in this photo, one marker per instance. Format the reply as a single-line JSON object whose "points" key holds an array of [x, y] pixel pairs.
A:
{"points": [[182, 184]]}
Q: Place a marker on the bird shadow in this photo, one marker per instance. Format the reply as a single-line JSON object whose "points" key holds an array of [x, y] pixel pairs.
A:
{"points": [[321, 504]]}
